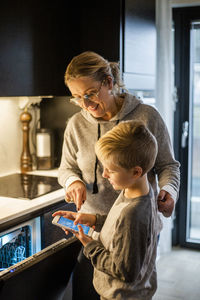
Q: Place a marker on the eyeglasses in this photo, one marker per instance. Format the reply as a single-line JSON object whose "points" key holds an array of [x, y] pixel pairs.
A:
{"points": [[87, 97]]}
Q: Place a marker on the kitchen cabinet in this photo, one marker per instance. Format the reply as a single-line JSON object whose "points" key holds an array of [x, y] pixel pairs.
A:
{"points": [[122, 31], [139, 44], [38, 39], [101, 28], [44, 275]]}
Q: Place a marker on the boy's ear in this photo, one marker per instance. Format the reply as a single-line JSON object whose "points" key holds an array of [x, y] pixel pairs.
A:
{"points": [[137, 172]]}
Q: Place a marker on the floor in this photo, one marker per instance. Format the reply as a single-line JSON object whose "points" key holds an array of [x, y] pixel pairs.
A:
{"points": [[179, 275]]}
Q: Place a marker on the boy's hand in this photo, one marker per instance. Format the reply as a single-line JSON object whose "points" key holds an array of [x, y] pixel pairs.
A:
{"points": [[66, 214], [83, 238], [86, 219], [165, 203]]}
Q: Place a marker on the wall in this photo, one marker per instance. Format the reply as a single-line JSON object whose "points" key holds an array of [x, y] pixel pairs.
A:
{"points": [[10, 136]]}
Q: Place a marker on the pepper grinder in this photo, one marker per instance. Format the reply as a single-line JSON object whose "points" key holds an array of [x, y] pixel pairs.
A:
{"points": [[26, 160]]}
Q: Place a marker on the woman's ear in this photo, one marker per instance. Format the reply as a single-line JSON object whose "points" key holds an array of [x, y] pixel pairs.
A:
{"points": [[137, 172], [109, 82]]}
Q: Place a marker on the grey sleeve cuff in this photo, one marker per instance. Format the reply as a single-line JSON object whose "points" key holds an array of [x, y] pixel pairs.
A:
{"points": [[90, 247], [168, 188]]}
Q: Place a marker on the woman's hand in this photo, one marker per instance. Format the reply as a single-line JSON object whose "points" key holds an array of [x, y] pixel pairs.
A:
{"points": [[83, 238], [76, 192], [165, 203]]}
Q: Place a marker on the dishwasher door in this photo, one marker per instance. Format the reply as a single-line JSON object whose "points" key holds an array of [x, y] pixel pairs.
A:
{"points": [[19, 242]]}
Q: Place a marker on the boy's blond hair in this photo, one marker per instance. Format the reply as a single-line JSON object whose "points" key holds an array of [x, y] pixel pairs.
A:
{"points": [[128, 144]]}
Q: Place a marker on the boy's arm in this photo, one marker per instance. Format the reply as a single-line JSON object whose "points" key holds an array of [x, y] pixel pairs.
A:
{"points": [[127, 257]]}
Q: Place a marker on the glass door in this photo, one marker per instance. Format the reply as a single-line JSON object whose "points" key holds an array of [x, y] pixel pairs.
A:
{"points": [[187, 124], [193, 201]]}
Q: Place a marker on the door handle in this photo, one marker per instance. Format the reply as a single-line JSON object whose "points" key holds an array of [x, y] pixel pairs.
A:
{"points": [[184, 137]]}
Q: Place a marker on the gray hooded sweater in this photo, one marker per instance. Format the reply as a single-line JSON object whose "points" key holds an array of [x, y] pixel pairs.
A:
{"points": [[78, 155]]}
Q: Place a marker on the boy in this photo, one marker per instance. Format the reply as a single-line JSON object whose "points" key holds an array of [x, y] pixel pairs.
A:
{"points": [[124, 253]]}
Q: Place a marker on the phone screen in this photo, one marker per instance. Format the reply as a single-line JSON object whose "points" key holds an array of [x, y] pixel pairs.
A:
{"points": [[70, 224]]}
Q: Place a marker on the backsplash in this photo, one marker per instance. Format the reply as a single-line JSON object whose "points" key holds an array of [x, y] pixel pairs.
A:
{"points": [[10, 136], [55, 113]]}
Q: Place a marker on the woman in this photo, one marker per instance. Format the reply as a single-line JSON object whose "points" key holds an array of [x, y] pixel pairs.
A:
{"points": [[96, 87]]}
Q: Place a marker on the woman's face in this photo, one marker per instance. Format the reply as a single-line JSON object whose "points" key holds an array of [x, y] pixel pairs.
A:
{"points": [[94, 96]]}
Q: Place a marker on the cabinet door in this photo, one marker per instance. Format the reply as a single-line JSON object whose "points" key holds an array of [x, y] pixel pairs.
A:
{"points": [[16, 55], [101, 27], [38, 39], [140, 44]]}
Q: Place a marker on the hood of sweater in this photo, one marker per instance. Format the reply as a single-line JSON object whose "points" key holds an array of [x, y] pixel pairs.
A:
{"points": [[130, 103]]}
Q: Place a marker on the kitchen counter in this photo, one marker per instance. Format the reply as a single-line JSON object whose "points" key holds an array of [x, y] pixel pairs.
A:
{"points": [[14, 210]]}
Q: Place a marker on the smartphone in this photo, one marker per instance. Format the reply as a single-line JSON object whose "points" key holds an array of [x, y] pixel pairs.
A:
{"points": [[69, 225]]}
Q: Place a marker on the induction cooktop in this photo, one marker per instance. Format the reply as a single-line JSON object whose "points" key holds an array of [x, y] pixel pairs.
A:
{"points": [[27, 186]]}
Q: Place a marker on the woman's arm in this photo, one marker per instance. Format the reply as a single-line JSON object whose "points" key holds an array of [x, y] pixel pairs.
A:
{"points": [[166, 167], [69, 174], [68, 166]]}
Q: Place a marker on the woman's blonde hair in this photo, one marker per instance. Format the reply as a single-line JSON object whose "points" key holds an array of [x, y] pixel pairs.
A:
{"points": [[128, 144], [93, 65]]}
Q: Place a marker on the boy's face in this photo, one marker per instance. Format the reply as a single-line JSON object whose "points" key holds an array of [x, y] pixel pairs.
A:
{"points": [[119, 177]]}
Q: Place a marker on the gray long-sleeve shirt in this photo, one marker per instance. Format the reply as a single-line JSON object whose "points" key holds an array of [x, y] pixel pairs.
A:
{"points": [[124, 256], [78, 156]]}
